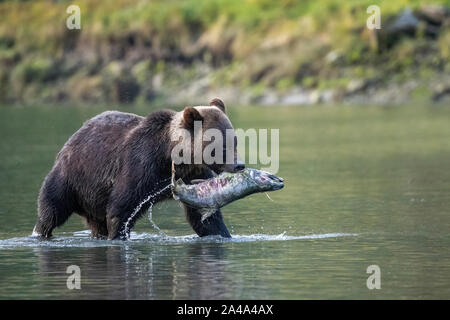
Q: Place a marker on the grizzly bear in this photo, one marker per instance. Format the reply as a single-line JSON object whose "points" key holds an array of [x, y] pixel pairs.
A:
{"points": [[116, 160]]}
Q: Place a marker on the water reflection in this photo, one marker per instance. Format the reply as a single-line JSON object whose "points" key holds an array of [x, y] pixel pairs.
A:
{"points": [[380, 173], [196, 271]]}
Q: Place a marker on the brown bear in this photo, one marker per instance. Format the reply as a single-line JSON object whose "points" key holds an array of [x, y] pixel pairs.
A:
{"points": [[117, 161]]}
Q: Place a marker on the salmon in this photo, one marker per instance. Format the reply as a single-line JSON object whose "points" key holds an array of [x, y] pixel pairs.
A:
{"points": [[214, 193]]}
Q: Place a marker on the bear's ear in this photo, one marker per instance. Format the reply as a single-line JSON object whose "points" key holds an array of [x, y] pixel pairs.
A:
{"points": [[219, 104], [190, 114]]}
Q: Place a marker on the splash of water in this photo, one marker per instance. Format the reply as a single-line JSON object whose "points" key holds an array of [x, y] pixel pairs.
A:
{"points": [[139, 207], [152, 222], [82, 239]]}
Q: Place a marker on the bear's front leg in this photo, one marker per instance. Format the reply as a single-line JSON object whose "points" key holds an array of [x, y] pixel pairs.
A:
{"points": [[213, 225], [125, 208], [116, 228], [120, 219]]}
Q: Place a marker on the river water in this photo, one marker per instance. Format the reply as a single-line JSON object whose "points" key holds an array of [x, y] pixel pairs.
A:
{"points": [[363, 186]]}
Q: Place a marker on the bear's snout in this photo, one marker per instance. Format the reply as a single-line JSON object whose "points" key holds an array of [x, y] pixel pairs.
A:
{"points": [[235, 167]]}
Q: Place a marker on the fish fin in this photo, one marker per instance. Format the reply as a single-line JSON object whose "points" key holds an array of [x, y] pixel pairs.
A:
{"points": [[173, 174], [174, 185], [172, 182]]}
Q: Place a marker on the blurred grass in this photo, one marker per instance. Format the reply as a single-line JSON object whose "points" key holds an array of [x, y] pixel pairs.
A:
{"points": [[276, 44], [33, 23]]}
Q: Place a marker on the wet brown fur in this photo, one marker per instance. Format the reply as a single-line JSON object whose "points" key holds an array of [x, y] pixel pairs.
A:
{"points": [[113, 162]]}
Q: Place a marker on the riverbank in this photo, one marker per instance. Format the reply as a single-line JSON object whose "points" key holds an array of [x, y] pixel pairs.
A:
{"points": [[250, 52]]}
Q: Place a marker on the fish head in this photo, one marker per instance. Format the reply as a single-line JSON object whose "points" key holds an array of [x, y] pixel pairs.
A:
{"points": [[264, 180]]}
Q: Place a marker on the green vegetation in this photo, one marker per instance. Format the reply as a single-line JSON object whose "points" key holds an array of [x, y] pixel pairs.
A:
{"points": [[128, 51]]}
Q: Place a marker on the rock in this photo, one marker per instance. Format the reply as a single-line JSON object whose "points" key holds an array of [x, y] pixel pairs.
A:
{"points": [[315, 97], [359, 85], [428, 19], [356, 85], [406, 21], [297, 97], [326, 96], [268, 98], [332, 56], [157, 81], [433, 14], [114, 69], [442, 92]]}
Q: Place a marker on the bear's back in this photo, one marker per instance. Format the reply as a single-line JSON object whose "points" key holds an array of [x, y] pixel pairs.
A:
{"points": [[107, 127], [98, 141], [114, 117]]}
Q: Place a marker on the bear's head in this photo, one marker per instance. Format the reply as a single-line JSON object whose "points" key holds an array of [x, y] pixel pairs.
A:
{"points": [[206, 133]]}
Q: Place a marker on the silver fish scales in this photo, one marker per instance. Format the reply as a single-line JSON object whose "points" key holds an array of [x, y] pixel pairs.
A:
{"points": [[214, 193]]}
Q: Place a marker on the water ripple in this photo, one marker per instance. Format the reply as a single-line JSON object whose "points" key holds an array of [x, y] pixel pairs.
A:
{"points": [[82, 239]]}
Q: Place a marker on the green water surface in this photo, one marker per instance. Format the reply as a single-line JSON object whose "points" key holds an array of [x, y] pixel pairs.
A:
{"points": [[376, 177]]}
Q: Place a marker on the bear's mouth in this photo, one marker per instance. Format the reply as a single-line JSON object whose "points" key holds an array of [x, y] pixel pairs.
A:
{"points": [[215, 169]]}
